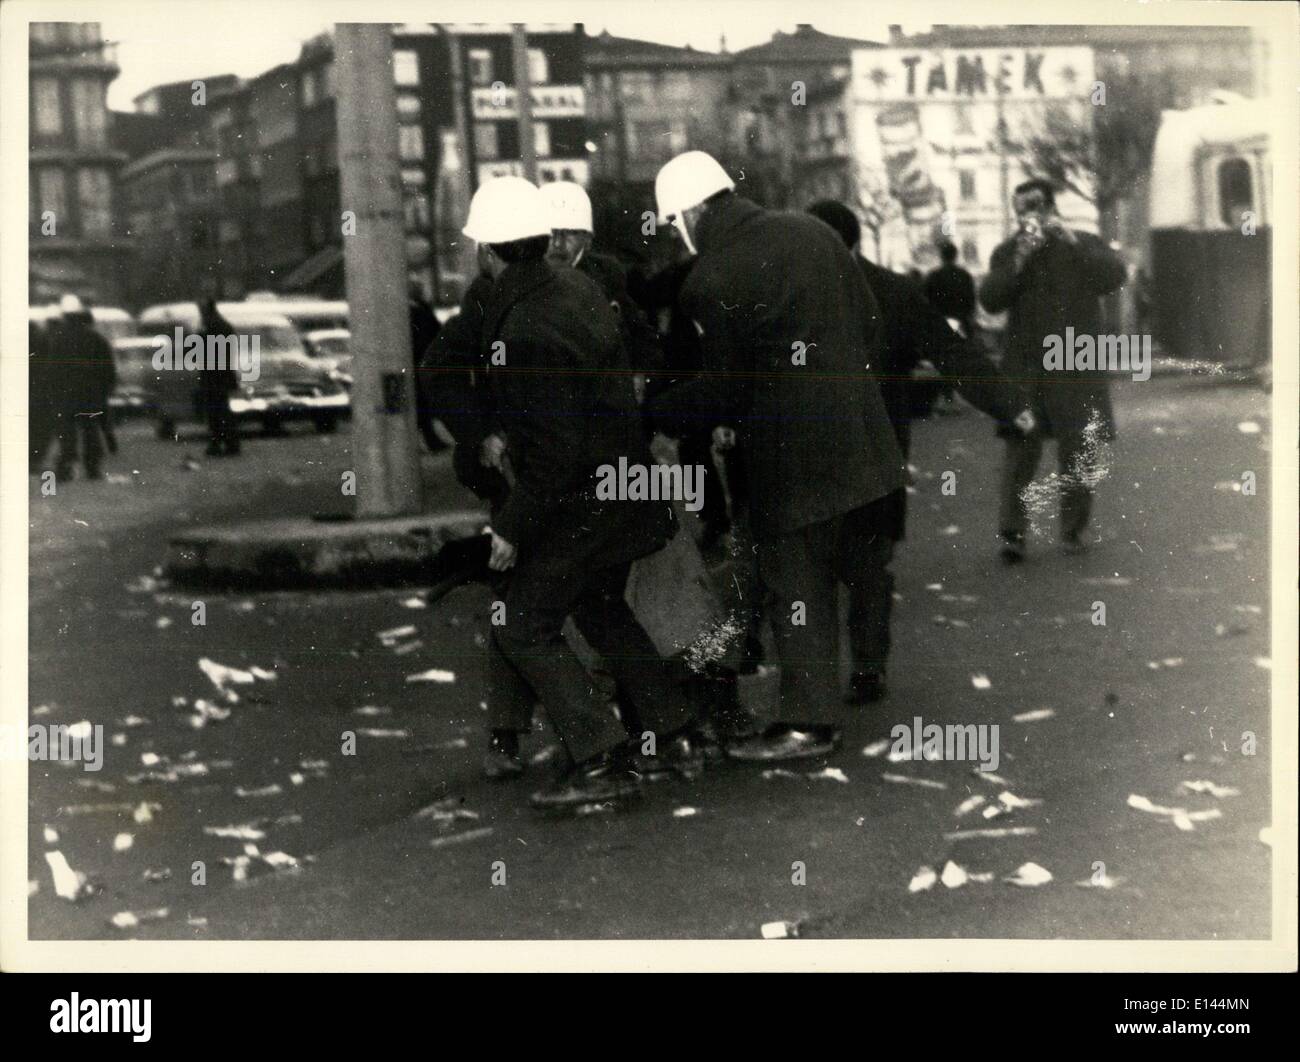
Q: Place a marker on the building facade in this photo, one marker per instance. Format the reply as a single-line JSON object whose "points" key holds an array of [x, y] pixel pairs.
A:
{"points": [[76, 242]]}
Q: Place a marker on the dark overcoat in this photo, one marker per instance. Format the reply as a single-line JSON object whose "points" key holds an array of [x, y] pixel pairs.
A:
{"points": [[1060, 286]]}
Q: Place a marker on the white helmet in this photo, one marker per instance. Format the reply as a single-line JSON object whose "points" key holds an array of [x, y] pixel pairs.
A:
{"points": [[687, 181], [569, 206], [506, 209], [69, 305]]}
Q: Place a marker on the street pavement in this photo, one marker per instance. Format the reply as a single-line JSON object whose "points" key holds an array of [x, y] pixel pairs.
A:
{"points": [[404, 839]]}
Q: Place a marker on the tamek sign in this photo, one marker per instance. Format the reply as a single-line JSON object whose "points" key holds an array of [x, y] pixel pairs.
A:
{"points": [[971, 74], [549, 101]]}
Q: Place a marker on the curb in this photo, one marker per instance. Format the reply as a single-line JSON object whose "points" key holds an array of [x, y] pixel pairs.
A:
{"points": [[303, 553]]}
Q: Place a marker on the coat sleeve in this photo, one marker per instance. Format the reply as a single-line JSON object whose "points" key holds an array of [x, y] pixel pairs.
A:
{"points": [[543, 418], [962, 363], [1000, 286], [1100, 269]]}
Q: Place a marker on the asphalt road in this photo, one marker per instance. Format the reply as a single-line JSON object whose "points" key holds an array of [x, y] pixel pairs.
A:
{"points": [[1182, 569]]}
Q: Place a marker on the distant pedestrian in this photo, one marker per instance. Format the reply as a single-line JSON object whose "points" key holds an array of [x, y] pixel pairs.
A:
{"points": [[81, 363], [951, 290], [217, 384], [910, 329], [1051, 278], [42, 416]]}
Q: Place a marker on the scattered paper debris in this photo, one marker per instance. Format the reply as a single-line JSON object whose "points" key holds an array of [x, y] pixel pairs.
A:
{"points": [[397, 633], [1013, 803], [239, 833], [474, 835], [33, 887], [876, 748], [1004, 831], [779, 930], [968, 805], [989, 776], [922, 880], [1029, 875], [1037, 715], [779, 772], [1264, 662], [68, 883], [371, 709], [1249, 427], [156, 876], [51, 835], [263, 791], [953, 876], [833, 774], [903, 779], [1182, 818], [981, 682], [414, 602], [222, 677], [1203, 786], [123, 842], [1104, 882], [685, 813], [433, 675], [379, 732]]}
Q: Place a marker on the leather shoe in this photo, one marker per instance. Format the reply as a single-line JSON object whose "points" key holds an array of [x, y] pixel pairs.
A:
{"points": [[788, 743], [866, 687], [602, 779], [678, 757]]}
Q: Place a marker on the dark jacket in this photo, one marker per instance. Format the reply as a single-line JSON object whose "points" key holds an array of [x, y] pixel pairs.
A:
{"points": [[818, 440], [639, 337], [450, 386], [1060, 286], [215, 384], [564, 400], [951, 291], [82, 373], [913, 329]]}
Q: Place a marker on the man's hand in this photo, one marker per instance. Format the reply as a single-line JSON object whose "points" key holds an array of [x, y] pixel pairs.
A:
{"points": [[1026, 423], [503, 554], [1057, 230], [724, 438], [491, 450]]}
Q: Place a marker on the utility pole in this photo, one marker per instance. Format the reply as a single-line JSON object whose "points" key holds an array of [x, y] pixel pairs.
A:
{"points": [[385, 449], [524, 101]]}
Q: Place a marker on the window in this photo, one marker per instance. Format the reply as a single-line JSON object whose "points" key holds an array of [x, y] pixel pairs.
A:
{"points": [[310, 88], [1236, 191], [94, 198], [88, 112], [227, 171], [416, 209], [970, 251], [648, 140], [967, 178], [541, 140], [539, 72], [961, 118], [45, 32], [413, 178], [637, 84], [410, 143], [52, 192], [480, 67], [408, 106], [486, 145], [45, 97], [406, 68]]}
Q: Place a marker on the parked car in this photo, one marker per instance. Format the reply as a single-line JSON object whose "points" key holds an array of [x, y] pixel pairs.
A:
{"points": [[310, 315], [289, 385], [138, 382], [332, 348]]}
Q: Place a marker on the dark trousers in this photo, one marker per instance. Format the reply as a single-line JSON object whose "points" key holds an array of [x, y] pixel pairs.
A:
{"points": [[802, 570], [1074, 467], [223, 428], [79, 432], [871, 603], [530, 661]]}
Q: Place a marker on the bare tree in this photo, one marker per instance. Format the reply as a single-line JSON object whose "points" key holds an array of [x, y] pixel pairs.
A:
{"points": [[1099, 151]]}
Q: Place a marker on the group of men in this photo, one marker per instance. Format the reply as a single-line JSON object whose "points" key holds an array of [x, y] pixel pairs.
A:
{"points": [[803, 349], [71, 376]]}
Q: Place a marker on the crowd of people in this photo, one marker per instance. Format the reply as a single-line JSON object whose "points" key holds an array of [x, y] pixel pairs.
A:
{"points": [[71, 377], [785, 355]]}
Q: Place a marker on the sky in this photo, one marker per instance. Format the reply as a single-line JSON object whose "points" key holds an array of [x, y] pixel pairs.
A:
{"points": [[200, 38]]}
